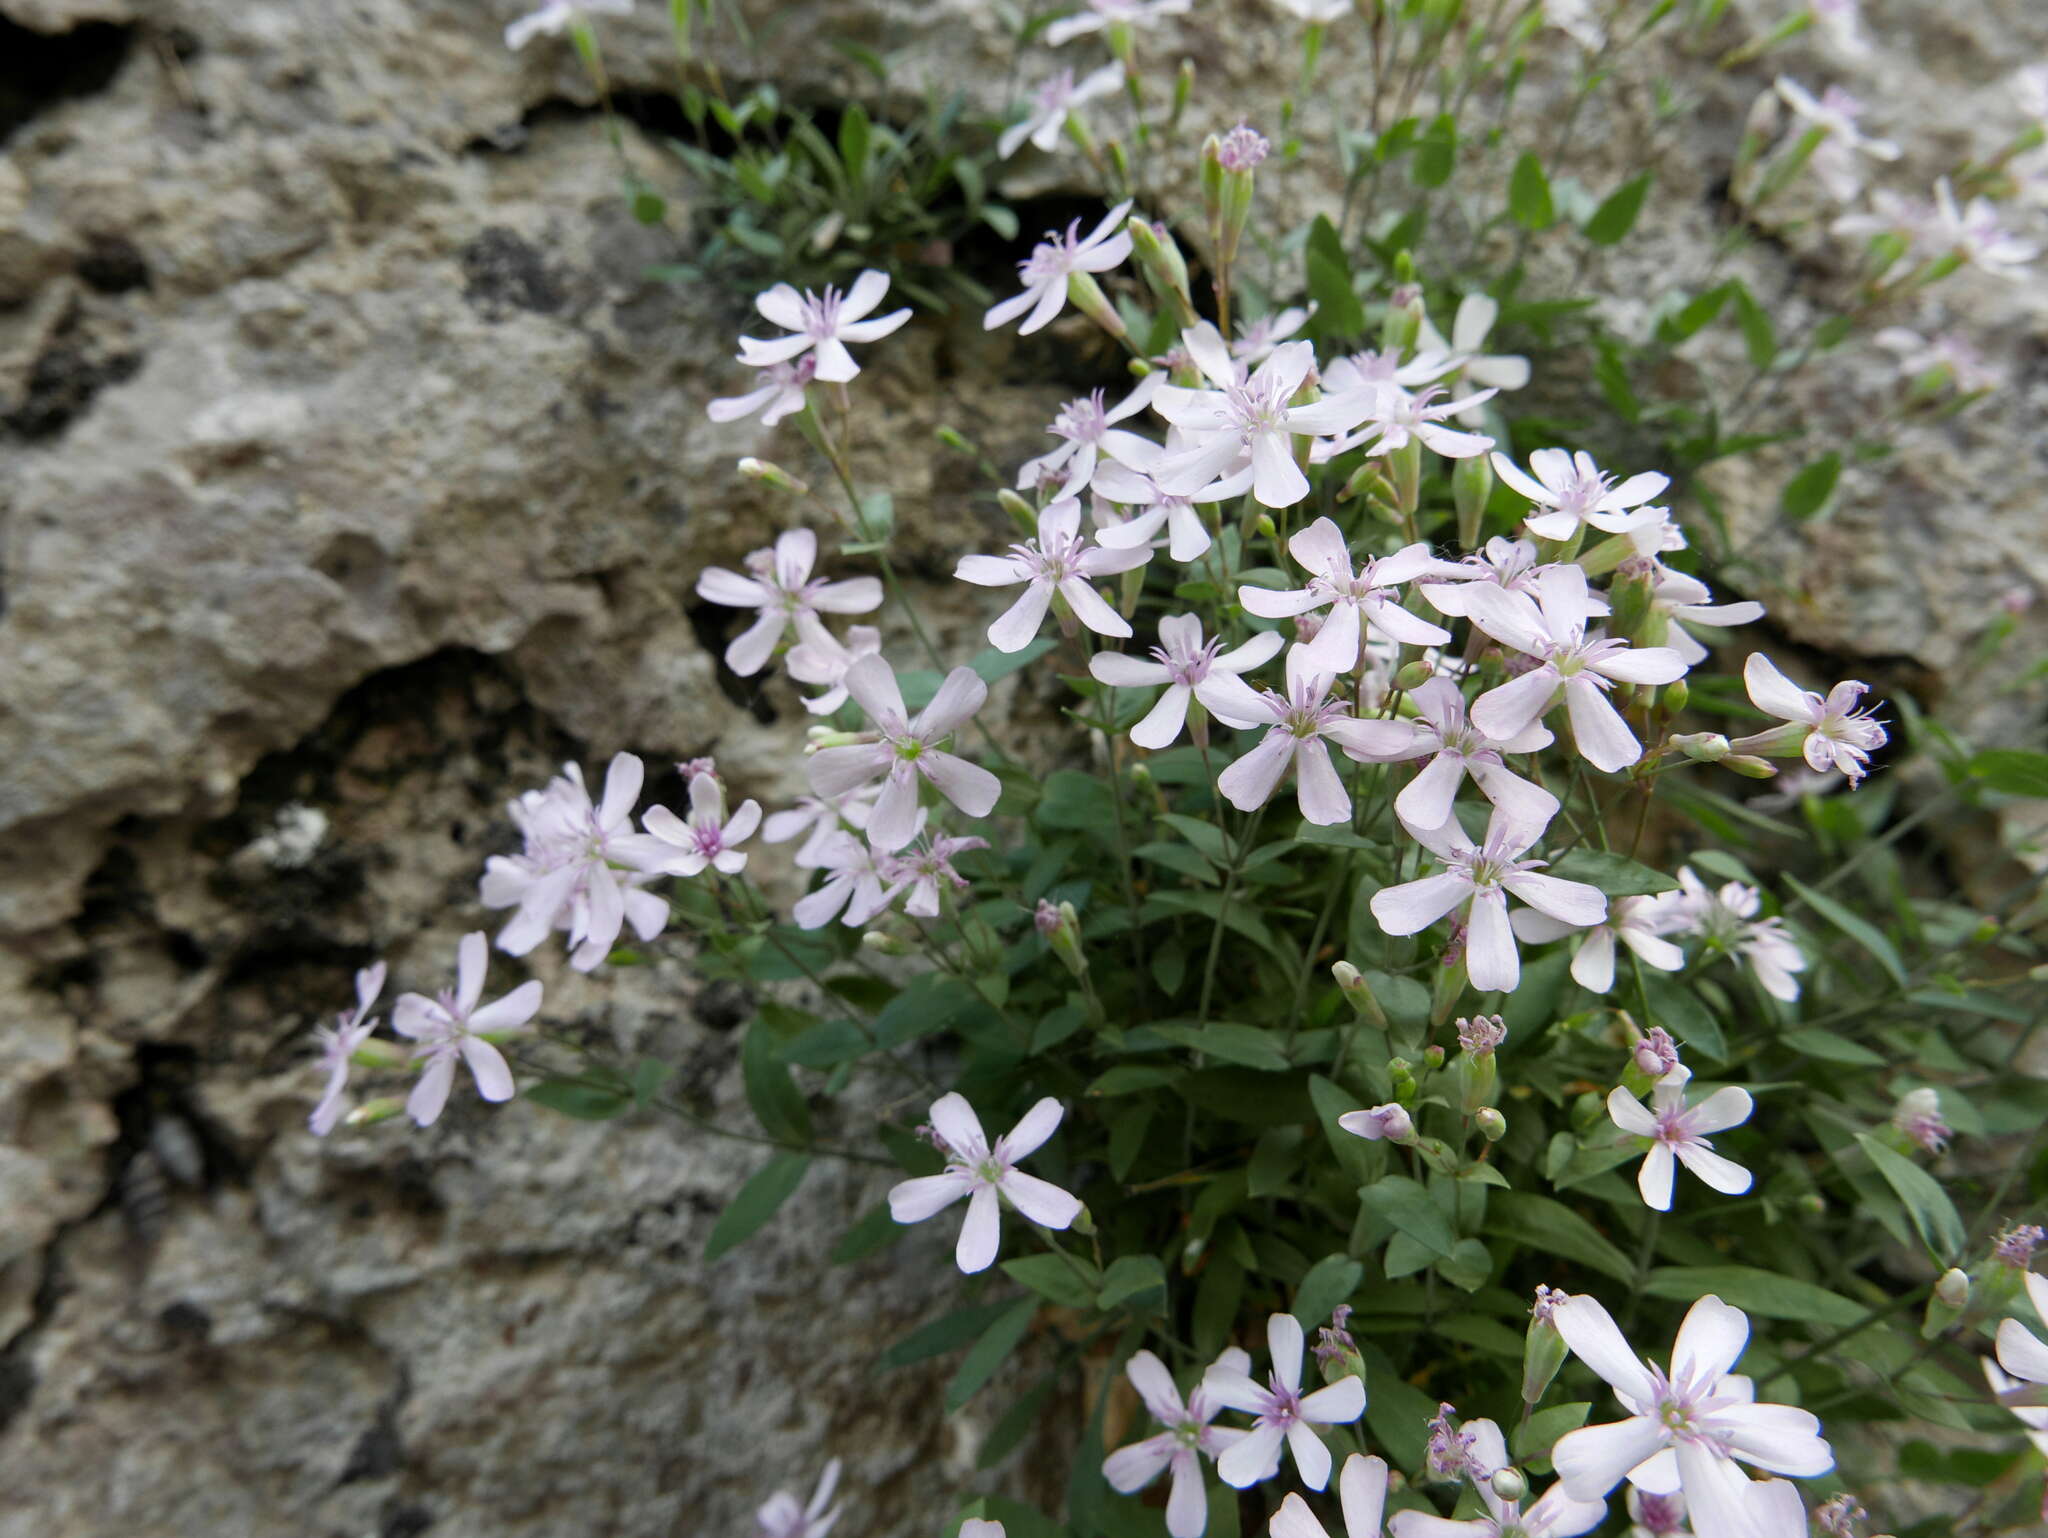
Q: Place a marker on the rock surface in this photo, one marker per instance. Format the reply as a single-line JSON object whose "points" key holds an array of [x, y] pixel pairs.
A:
{"points": [[353, 463]]}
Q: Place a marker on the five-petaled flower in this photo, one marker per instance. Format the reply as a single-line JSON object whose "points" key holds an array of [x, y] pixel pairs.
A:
{"points": [[1046, 118], [1054, 260], [1187, 1436], [908, 751], [987, 1176], [1678, 1134], [822, 324], [1088, 432], [338, 1044], [1060, 560], [1191, 669], [1686, 1427], [1571, 491], [708, 838], [1829, 731], [1356, 597], [1285, 1414], [781, 587], [1301, 720], [1456, 749], [856, 886], [453, 1026], [1726, 918]]}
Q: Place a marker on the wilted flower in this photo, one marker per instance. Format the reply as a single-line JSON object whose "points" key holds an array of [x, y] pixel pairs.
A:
{"points": [[1188, 1435], [1046, 118], [452, 1026], [1656, 1054], [1244, 148], [1285, 1414], [708, 838], [781, 1517], [1355, 597], [987, 1177], [1059, 560], [1333, 1340], [1448, 1454], [1481, 1035], [1830, 732], [557, 16], [1361, 1495], [1301, 719], [1055, 259], [1918, 1116], [1678, 1131], [338, 1044], [2015, 1245], [907, 752], [780, 586], [1640, 923], [824, 322], [1389, 1121], [1578, 493], [1191, 669], [781, 396]]}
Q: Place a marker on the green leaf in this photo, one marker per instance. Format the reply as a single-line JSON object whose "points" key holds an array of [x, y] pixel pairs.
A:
{"points": [[584, 1102], [990, 664], [647, 1078], [770, 1187], [1436, 154], [2013, 771], [930, 1003], [1756, 1292], [1529, 194], [1549, 1226], [1245, 1045], [1409, 1208], [1934, 1216], [1675, 1006], [875, 1231], [853, 141], [1067, 1280], [1539, 1433], [945, 1334], [1616, 215], [1331, 1102], [1132, 1276], [1807, 493], [989, 1352], [1078, 802], [778, 1105], [1016, 1423], [1129, 1078], [1758, 335], [1827, 1047], [1613, 874], [1329, 1282], [1861, 930]]}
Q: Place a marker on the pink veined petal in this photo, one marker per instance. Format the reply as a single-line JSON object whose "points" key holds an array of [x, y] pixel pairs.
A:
{"points": [[1724, 1108], [1032, 1130], [1164, 720], [912, 1201], [1491, 960], [1318, 790], [1120, 670], [1602, 737], [472, 959], [510, 1012], [1772, 692], [1590, 1331], [958, 698], [1362, 1488], [488, 1066], [1594, 1459], [1130, 1469], [1336, 1404], [430, 1095], [1187, 1504], [1428, 798], [1019, 624], [1255, 1458], [872, 683], [1514, 706], [1593, 966], [1724, 1175], [1155, 1386], [894, 821], [1040, 1200], [1413, 906], [981, 1234], [968, 786], [1311, 1457], [1090, 609], [1249, 782], [1657, 1177], [1572, 902], [417, 1017]]}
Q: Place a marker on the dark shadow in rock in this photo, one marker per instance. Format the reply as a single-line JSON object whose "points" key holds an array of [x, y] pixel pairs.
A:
{"points": [[37, 71]]}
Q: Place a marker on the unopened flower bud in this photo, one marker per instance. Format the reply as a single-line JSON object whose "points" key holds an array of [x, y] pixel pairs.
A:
{"points": [[1403, 323], [1358, 994], [370, 1112], [1266, 528], [1238, 154], [1702, 747], [1021, 512], [1061, 928], [953, 439], [377, 1053], [1165, 269], [1183, 88], [1656, 1054], [1413, 675], [882, 943], [1677, 694], [1491, 1124], [1471, 489], [1509, 1484], [1403, 1075], [1212, 180], [1750, 768], [1391, 1122], [1629, 597], [1543, 1348], [1432, 1057], [1087, 297], [771, 474], [1954, 1287]]}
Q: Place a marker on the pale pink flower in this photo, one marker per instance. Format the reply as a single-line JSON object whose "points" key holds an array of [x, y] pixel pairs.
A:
{"points": [[1576, 20], [1656, 1054], [1475, 883], [1505, 563], [987, 1176], [781, 396], [781, 587], [1087, 428], [908, 752], [1552, 629], [2029, 86], [1910, 220], [1394, 415], [1285, 1414], [2020, 1351], [1191, 668], [982, 1527], [1046, 117], [1059, 560], [1976, 234], [781, 1517], [338, 1044], [1484, 1453], [1679, 1133], [1578, 493], [557, 16], [1301, 719], [1362, 1496], [453, 1026], [1055, 259], [1640, 923], [822, 323], [569, 876], [1257, 339], [1727, 920], [856, 887], [1187, 536], [815, 819], [1358, 372], [1657, 1516], [821, 659], [926, 870], [1456, 749], [1686, 600], [1834, 112], [1180, 1447], [1355, 596], [708, 839], [1390, 1121], [1687, 1427], [1951, 355], [1918, 1117], [1099, 15], [1470, 328], [1831, 732]]}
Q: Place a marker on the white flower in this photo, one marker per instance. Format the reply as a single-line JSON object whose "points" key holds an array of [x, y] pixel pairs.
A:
{"points": [[824, 322], [1055, 259], [855, 884], [1575, 19], [1285, 1414], [453, 1026], [1046, 118], [1361, 371], [708, 838], [1688, 601], [1361, 1492], [1256, 339], [1318, 13], [1951, 355], [1394, 415], [1456, 749], [556, 16], [1059, 561], [1841, 23], [987, 1177], [1355, 598], [1477, 878], [1578, 492], [2020, 1351], [1552, 629], [1098, 15], [1727, 921], [1088, 427], [2029, 86], [1191, 668], [782, 589], [1679, 1132], [1301, 719], [781, 1517], [568, 875], [338, 1044], [816, 819], [1240, 434], [2006, 1390], [1640, 923], [1470, 328], [907, 752], [1832, 733], [1910, 220], [821, 658], [1686, 1427], [1188, 1435], [1974, 233], [1555, 1514], [781, 396]]}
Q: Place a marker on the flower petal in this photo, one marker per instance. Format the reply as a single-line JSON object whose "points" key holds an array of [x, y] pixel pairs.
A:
{"points": [[1594, 1459], [981, 1235]]}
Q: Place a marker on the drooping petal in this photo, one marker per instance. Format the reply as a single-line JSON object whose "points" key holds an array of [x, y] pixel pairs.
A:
{"points": [[1187, 1504], [981, 1234], [1602, 737], [1724, 1175], [488, 1066], [1491, 960]]}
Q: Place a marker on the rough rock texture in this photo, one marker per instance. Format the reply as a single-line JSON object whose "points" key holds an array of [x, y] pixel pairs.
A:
{"points": [[352, 463]]}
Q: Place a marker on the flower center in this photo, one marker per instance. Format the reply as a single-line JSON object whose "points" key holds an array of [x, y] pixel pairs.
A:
{"points": [[1255, 406], [821, 313], [1083, 421]]}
